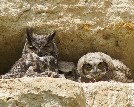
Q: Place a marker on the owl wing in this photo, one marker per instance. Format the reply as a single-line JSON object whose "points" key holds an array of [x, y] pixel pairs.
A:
{"points": [[20, 67], [123, 73]]}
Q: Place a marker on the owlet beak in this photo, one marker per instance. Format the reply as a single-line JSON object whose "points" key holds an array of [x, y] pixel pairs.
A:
{"points": [[94, 70]]}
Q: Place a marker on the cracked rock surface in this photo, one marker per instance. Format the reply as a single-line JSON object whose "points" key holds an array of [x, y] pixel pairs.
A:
{"points": [[50, 92]]}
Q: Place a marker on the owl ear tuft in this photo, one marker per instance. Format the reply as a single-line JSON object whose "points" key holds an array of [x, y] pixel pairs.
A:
{"points": [[29, 32], [51, 36]]}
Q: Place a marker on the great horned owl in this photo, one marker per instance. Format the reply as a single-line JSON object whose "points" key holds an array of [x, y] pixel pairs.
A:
{"points": [[39, 57], [98, 66], [40, 44]]}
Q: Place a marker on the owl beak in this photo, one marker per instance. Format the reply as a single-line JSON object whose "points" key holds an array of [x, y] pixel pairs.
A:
{"points": [[95, 70], [39, 52]]}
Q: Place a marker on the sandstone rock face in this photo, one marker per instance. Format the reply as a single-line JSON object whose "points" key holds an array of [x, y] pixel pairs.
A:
{"points": [[48, 92], [40, 92], [83, 26]]}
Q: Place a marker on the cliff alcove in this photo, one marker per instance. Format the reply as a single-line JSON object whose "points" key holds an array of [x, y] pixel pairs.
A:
{"points": [[87, 26]]}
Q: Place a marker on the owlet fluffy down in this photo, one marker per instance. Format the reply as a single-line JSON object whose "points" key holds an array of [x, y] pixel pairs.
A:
{"points": [[98, 66]]}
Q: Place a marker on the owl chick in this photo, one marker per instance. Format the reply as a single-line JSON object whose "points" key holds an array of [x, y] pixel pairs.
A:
{"points": [[39, 56], [98, 66]]}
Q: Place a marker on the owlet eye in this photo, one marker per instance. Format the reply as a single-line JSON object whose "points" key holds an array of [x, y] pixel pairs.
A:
{"points": [[101, 65], [87, 68]]}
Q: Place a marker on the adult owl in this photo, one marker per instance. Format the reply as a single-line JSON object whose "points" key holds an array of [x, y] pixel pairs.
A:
{"points": [[39, 57]]}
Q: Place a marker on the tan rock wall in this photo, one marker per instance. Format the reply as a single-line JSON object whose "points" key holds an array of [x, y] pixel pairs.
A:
{"points": [[83, 26], [49, 92]]}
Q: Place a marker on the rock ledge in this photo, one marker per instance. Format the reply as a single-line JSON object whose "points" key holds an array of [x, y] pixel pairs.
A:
{"points": [[51, 92]]}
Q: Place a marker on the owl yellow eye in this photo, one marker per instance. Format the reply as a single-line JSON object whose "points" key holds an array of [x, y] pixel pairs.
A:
{"points": [[101, 65], [87, 68], [48, 45]]}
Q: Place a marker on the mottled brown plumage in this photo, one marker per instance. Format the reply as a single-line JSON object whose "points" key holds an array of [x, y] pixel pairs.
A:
{"points": [[39, 57]]}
